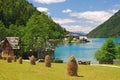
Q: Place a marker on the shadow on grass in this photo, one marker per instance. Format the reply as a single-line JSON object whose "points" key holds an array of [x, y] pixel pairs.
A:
{"points": [[77, 76], [80, 76]]}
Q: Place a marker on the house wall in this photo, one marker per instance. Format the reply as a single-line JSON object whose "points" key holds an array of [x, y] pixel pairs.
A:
{"points": [[7, 50]]}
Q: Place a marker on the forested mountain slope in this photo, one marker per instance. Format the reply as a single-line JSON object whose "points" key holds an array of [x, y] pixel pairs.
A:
{"points": [[19, 16], [110, 28]]}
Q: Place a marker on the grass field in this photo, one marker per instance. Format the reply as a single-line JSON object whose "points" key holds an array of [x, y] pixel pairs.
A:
{"points": [[25, 71]]}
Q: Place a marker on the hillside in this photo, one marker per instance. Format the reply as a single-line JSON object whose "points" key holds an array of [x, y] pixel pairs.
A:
{"points": [[17, 13], [19, 18], [110, 28]]}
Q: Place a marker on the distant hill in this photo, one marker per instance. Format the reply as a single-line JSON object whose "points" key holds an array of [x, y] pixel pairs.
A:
{"points": [[110, 28], [79, 33]]}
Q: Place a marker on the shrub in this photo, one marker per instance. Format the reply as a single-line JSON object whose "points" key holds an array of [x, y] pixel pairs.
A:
{"points": [[72, 66], [20, 60], [32, 60], [47, 61], [58, 61]]}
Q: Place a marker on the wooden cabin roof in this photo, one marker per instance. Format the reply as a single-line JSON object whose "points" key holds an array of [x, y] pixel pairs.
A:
{"points": [[13, 41]]}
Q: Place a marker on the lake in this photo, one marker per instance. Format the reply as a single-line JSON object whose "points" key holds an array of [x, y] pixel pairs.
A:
{"points": [[82, 51]]}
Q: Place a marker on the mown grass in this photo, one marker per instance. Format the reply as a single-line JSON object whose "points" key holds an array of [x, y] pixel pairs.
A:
{"points": [[25, 71]]}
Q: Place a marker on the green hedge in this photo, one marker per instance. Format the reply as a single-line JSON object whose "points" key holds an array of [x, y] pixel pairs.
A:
{"points": [[58, 61]]}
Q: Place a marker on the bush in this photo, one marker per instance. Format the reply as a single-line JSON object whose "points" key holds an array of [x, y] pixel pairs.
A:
{"points": [[72, 67], [58, 61], [47, 61]]}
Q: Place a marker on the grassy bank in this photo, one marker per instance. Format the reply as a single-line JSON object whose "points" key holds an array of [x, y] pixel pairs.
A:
{"points": [[25, 71]]}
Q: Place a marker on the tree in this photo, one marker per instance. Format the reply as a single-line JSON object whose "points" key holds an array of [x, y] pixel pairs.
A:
{"points": [[36, 36], [13, 30], [117, 55], [3, 31], [70, 39], [18, 18], [15, 12], [106, 52]]}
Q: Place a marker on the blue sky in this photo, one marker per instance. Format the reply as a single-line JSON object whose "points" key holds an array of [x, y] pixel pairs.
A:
{"points": [[78, 15]]}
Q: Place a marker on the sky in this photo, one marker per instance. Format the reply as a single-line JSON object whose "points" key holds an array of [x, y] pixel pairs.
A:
{"points": [[78, 15]]}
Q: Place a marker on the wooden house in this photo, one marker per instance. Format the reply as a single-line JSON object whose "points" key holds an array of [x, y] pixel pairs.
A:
{"points": [[9, 45], [74, 36]]}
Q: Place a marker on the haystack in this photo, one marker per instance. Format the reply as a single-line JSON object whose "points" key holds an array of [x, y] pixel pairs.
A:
{"points": [[72, 66], [32, 60], [47, 61]]}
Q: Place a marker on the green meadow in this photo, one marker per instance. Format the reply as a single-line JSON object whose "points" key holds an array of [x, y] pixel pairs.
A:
{"points": [[25, 71]]}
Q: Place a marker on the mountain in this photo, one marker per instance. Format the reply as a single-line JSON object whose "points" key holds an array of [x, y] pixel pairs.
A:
{"points": [[15, 12], [17, 15], [110, 28], [79, 33], [19, 18]]}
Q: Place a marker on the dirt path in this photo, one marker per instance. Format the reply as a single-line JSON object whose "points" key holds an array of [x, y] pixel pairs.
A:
{"points": [[106, 65]]}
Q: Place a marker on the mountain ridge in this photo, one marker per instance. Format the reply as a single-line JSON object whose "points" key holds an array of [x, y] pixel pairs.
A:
{"points": [[80, 33], [109, 28]]}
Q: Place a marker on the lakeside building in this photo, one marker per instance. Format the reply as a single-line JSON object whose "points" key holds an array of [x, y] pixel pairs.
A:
{"points": [[76, 37]]}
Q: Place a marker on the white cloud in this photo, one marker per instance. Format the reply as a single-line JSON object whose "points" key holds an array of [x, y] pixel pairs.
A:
{"points": [[49, 1], [86, 21], [63, 21], [42, 9], [77, 28], [96, 16], [66, 11]]}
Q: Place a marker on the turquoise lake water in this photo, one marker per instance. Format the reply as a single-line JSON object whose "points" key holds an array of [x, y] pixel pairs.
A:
{"points": [[83, 51]]}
